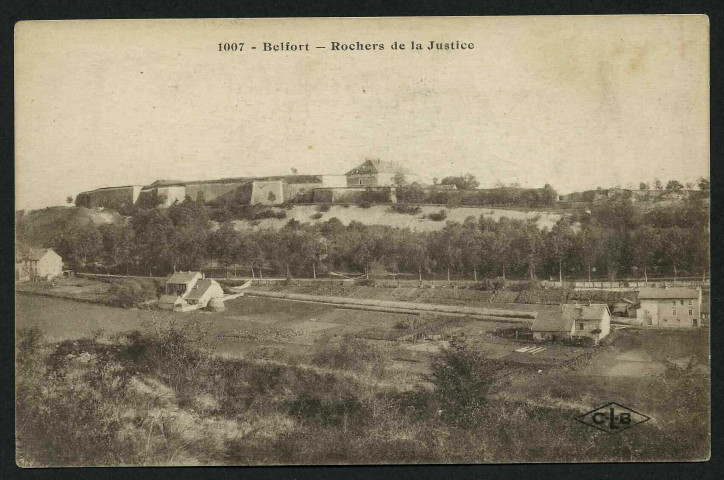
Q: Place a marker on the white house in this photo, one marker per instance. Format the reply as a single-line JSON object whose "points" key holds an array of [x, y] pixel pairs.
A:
{"points": [[574, 321], [38, 264], [189, 291], [670, 307]]}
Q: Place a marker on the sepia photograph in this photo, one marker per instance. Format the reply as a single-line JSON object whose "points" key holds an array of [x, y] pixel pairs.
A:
{"points": [[362, 241]]}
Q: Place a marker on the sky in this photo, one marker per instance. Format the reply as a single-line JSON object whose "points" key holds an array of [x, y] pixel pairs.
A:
{"points": [[576, 102]]}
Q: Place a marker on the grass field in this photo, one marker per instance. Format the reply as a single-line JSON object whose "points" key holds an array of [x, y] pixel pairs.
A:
{"points": [[265, 396]]}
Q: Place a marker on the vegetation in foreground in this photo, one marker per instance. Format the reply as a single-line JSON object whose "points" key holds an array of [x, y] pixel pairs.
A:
{"points": [[159, 398]]}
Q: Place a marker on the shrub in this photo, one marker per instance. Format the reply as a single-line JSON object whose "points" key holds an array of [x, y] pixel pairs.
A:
{"points": [[364, 204], [352, 354], [405, 208], [281, 214], [490, 284], [131, 292], [317, 216], [324, 207], [439, 216], [463, 377]]}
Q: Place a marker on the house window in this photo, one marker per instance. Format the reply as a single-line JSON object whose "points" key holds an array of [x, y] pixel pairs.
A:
{"points": [[682, 302], [360, 181], [673, 311], [673, 303], [691, 312], [581, 326], [690, 302]]}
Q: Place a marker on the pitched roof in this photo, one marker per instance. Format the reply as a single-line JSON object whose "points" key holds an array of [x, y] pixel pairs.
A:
{"points": [[199, 288], [562, 320], [378, 166], [183, 278], [668, 293], [33, 253]]}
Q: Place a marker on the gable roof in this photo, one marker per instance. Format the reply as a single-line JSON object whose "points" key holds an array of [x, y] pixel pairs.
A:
{"points": [[668, 293], [378, 166], [562, 320], [183, 278], [34, 254], [199, 289]]}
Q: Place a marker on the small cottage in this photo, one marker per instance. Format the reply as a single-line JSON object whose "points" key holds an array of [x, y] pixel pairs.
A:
{"points": [[36, 264], [573, 321], [189, 291]]}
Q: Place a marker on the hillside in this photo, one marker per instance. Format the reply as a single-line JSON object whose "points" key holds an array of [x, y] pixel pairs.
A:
{"points": [[384, 215], [39, 227]]}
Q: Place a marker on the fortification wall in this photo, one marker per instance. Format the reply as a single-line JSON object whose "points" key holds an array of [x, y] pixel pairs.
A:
{"points": [[211, 191], [354, 195], [115, 198], [267, 192]]}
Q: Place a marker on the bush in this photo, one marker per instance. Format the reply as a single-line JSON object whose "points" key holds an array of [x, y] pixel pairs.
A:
{"points": [[463, 377], [317, 216], [352, 354], [131, 292], [490, 284], [405, 208], [324, 207], [439, 216], [364, 204], [281, 214]]}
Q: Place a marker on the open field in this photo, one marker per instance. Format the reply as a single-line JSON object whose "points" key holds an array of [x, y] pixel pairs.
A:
{"points": [[264, 396]]}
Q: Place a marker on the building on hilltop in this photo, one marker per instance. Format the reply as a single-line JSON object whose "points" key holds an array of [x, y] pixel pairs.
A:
{"points": [[573, 321], [670, 307], [378, 173]]}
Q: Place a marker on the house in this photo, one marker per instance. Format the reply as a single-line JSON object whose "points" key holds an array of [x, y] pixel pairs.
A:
{"points": [[378, 173], [670, 307], [189, 291], [624, 308], [573, 321], [37, 264]]}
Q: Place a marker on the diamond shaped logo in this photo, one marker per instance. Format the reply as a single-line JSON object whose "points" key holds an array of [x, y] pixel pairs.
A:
{"points": [[613, 418]]}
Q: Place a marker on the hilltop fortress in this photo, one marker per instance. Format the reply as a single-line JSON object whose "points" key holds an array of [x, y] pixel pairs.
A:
{"points": [[274, 190]]}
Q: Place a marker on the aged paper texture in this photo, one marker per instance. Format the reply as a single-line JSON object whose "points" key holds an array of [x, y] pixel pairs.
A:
{"points": [[362, 240]]}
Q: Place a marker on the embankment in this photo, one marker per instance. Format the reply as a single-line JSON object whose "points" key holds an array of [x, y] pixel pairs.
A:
{"points": [[511, 315]]}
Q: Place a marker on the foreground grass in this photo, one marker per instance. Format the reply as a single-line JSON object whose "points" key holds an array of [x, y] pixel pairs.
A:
{"points": [[156, 398]]}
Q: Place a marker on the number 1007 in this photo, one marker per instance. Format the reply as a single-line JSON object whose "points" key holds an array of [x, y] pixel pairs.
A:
{"points": [[231, 47]]}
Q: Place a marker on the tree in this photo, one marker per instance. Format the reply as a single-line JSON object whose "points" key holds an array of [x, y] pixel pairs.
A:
{"points": [[119, 246], [559, 243], [466, 182], [548, 195], [399, 179], [643, 186], [69, 199], [645, 247], [295, 171], [463, 378], [703, 184], [674, 185], [590, 240], [658, 185]]}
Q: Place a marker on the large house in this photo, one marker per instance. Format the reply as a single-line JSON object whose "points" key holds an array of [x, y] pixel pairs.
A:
{"points": [[378, 173], [188, 291], [573, 321], [670, 307], [37, 264]]}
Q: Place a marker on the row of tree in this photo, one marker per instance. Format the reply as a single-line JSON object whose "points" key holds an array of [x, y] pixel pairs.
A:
{"points": [[614, 238]]}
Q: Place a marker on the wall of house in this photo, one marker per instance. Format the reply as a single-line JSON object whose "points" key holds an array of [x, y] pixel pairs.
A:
{"points": [[50, 265], [364, 180], [660, 312]]}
